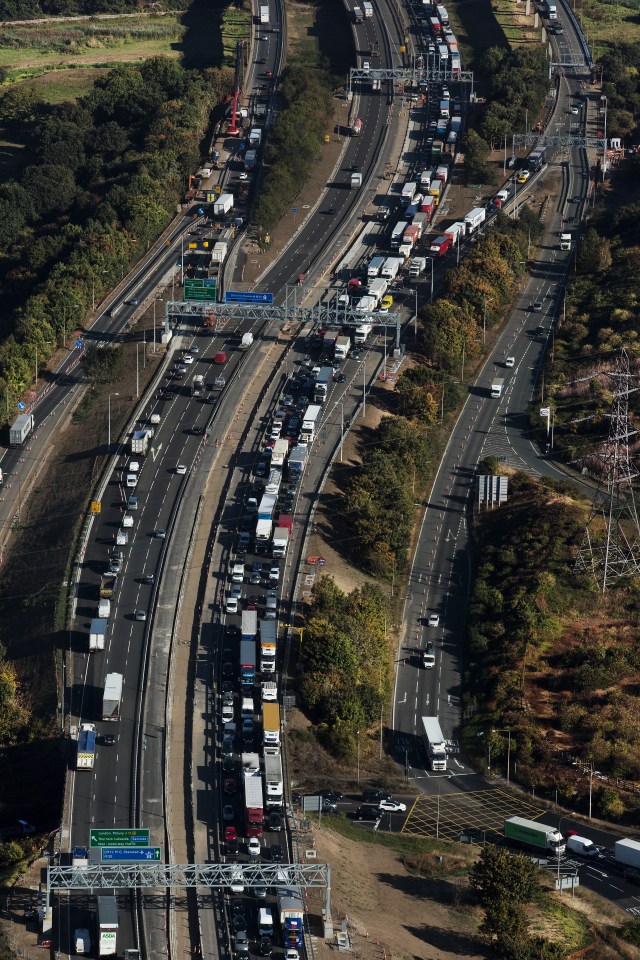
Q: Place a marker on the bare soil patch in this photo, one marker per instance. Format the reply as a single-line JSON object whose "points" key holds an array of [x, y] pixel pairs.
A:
{"points": [[391, 912]]}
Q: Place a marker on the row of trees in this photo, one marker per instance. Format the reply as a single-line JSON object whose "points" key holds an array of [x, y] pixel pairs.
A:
{"points": [[541, 637], [621, 85], [517, 85], [104, 178], [346, 657], [379, 496], [295, 143], [475, 294]]}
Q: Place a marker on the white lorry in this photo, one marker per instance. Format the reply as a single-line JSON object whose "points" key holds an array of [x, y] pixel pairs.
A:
{"points": [[341, 348], [475, 218], [112, 696], [362, 332], [264, 14], [434, 743], [98, 632], [497, 386]]}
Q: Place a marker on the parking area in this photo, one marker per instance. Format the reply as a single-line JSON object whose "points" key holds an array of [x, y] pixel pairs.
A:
{"points": [[478, 815]]}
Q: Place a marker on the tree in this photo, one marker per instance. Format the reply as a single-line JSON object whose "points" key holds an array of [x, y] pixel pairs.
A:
{"points": [[500, 875]]}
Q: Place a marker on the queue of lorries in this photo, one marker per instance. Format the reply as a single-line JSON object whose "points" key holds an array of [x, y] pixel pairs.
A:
{"points": [[248, 700]]}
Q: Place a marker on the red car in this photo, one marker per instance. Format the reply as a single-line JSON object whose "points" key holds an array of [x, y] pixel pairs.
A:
{"points": [[268, 74], [230, 785], [230, 833]]}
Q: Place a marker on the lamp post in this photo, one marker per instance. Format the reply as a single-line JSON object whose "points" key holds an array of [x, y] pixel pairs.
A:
{"points": [[47, 343], [155, 300], [358, 767], [341, 405], [109, 421], [497, 730], [431, 294], [137, 372], [485, 301]]}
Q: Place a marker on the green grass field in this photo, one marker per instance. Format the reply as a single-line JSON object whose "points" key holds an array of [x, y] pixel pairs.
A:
{"points": [[63, 59], [607, 23]]}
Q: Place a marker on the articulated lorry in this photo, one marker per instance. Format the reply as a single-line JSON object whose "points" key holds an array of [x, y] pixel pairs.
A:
{"points": [[534, 834], [268, 645], [434, 743], [107, 926]]}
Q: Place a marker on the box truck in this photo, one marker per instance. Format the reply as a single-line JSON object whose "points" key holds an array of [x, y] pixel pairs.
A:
{"points": [[112, 696], [98, 632]]}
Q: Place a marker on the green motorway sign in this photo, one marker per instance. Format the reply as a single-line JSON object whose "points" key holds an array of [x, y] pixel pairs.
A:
{"points": [[200, 289], [119, 838]]}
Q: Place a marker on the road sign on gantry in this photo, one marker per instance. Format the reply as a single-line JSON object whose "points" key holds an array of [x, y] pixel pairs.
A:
{"points": [[245, 296], [119, 838], [137, 854], [200, 289]]}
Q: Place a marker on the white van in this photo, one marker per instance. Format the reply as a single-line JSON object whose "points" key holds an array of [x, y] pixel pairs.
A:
{"points": [[134, 466], [155, 418], [132, 479], [265, 922], [82, 940], [127, 520]]}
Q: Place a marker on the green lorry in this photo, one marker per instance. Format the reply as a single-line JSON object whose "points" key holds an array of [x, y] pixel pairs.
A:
{"points": [[534, 834]]}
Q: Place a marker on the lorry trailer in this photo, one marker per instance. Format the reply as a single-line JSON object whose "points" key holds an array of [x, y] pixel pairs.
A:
{"points": [[107, 926], [475, 218], [112, 696], [321, 385], [534, 834], [253, 802], [310, 420], [627, 852], [296, 463], [271, 724], [273, 778], [20, 429], [247, 662], [264, 14], [140, 441]]}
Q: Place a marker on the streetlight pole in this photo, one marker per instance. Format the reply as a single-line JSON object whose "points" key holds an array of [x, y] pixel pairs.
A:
{"points": [[358, 767], [431, 296], [137, 373], [109, 421], [485, 301], [155, 300], [496, 730], [341, 424]]}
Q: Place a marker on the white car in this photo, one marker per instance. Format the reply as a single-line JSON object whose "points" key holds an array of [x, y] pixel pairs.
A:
{"points": [[291, 954], [434, 619], [510, 362], [243, 176], [254, 847], [187, 358], [392, 806], [134, 466], [232, 605], [575, 110], [181, 469]]}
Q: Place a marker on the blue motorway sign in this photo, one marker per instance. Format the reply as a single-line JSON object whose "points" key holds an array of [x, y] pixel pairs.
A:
{"points": [[243, 296], [21, 405], [79, 343], [130, 853]]}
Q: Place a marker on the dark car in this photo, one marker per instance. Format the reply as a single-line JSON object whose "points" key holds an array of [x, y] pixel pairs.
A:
{"points": [[230, 785], [228, 765], [375, 793], [239, 922], [238, 908], [232, 849], [233, 630], [265, 947], [370, 814], [108, 740], [340, 378], [334, 795], [197, 431], [275, 821], [277, 853], [331, 211]]}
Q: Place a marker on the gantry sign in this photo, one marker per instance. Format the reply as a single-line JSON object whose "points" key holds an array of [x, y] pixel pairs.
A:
{"points": [[568, 140], [410, 75], [302, 304], [143, 876]]}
